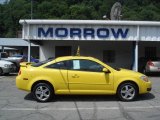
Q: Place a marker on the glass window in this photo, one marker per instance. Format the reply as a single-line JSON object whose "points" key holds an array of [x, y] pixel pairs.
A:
{"points": [[41, 63], [86, 65], [4, 55], [59, 65]]}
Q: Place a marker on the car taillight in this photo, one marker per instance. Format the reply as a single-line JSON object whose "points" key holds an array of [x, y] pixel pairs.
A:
{"points": [[19, 73], [150, 63]]}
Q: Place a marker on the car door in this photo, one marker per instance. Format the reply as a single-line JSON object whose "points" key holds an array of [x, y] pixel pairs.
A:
{"points": [[58, 73], [86, 76]]}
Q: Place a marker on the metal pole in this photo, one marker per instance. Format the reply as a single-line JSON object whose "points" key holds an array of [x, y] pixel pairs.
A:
{"points": [[136, 56], [29, 50], [31, 9], [2, 48], [135, 65]]}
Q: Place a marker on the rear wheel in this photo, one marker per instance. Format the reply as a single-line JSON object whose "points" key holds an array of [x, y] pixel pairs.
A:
{"points": [[43, 92], [127, 91]]}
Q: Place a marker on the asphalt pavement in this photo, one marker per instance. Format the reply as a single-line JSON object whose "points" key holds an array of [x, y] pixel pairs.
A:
{"points": [[20, 105]]}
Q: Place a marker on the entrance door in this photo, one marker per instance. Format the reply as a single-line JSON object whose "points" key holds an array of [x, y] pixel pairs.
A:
{"points": [[63, 51]]}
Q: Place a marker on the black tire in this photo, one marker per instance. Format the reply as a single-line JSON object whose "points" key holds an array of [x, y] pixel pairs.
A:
{"points": [[43, 92], [7, 74], [1, 71], [127, 91]]}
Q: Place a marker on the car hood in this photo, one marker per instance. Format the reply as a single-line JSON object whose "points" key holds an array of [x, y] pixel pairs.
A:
{"points": [[13, 58], [5, 62], [130, 72]]}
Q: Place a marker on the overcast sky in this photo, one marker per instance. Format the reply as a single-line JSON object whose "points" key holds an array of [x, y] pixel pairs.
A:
{"points": [[2, 1]]}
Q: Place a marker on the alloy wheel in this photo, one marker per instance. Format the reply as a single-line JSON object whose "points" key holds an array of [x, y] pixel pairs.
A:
{"points": [[42, 93], [128, 92]]}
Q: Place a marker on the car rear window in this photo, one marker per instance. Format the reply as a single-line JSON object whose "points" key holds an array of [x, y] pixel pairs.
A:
{"points": [[42, 62], [16, 56]]}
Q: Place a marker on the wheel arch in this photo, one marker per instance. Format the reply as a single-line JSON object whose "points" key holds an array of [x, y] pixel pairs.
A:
{"points": [[128, 81], [41, 81], [1, 70]]}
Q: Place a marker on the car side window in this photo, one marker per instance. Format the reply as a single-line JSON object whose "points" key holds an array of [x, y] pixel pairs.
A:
{"points": [[58, 65], [86, 65]]}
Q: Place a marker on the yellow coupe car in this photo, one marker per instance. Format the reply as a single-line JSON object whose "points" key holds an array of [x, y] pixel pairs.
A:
{"points": [[80, 75]]}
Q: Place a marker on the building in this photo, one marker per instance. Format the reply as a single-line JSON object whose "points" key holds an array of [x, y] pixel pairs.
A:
{"points": [[17, 46], [118, 43]]}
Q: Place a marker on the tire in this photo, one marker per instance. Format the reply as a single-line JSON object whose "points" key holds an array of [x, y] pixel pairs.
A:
{"points": [[127, 91], [1, 71], [43, 92], [7, 74]]}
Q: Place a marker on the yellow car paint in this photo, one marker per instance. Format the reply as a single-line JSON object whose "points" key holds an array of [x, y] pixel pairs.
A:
{"points": [[79, 82]]}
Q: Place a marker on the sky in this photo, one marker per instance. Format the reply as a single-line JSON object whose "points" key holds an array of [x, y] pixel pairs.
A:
{"points": [[2, 1]]}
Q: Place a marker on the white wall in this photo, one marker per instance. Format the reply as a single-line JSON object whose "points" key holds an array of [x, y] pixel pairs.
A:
{"points": [[123, 50]]}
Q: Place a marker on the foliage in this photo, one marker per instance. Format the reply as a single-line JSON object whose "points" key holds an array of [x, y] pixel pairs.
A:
{"points": [[12, 12]]}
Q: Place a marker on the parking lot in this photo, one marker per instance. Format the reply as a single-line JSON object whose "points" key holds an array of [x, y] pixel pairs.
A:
{"points": [[19, 105]]}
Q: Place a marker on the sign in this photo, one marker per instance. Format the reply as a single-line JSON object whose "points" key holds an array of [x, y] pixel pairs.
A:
{"points": [[82, 33]]}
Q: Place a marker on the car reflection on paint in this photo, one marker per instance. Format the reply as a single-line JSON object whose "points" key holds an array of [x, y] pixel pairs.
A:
{"points": [[80, 75]]}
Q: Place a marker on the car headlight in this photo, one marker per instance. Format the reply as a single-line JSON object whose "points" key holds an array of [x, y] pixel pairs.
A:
{"points": [[7, 66], [144, 78]]}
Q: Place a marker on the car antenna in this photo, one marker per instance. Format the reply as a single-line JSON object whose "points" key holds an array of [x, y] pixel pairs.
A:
{"points": [[78, 51]]}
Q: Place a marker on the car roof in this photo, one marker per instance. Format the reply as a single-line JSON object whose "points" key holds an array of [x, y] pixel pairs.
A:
{"points": [[73, 57]]}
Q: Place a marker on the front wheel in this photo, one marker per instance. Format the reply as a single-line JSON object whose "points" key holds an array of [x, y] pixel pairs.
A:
{"points": [[127, 92], [43, 92]]}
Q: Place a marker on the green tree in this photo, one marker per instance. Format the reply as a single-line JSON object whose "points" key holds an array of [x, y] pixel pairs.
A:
{"points": [[12, 12]]}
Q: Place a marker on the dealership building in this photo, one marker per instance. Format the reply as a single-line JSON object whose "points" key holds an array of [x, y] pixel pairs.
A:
{"points": [[117, 43]]}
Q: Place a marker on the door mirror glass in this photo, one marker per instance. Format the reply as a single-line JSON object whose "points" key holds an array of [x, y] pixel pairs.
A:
{"points": [[106, 70]]}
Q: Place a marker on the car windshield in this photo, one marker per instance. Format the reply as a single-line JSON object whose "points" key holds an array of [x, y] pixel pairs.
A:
{"points": [[16, 56], [42, 62]]}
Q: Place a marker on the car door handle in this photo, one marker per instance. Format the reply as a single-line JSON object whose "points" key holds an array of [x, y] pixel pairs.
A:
{"points": [[75, 76]]}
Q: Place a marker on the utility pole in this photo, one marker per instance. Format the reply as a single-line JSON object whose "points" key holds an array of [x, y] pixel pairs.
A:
{"points": [[31, 9]]}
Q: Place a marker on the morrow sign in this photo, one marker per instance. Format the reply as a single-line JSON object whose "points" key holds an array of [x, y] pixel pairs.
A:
{"points": [[100, 33]]}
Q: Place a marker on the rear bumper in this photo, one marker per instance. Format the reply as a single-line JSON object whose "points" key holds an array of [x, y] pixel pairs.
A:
{"points": [[153, 69], [22, 83]]}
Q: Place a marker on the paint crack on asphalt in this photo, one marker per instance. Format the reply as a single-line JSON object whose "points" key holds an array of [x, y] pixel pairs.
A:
{"points": [[78, 111], [124, 112], [157, 108], [94, 117]]}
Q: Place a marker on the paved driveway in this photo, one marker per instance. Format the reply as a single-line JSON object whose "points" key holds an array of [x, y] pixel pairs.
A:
{"points": [[19, 105]]}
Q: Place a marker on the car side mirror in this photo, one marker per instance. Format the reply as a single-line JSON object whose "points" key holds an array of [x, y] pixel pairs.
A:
{"points": [[106, 70]]}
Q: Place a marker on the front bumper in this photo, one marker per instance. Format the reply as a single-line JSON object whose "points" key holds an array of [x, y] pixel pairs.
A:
{"points": [[145, 87], [8, 70]]}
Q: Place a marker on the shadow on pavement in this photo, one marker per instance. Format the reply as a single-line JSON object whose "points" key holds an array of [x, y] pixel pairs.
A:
{"points": [[85, 98], [148, 96], [153, 74], [11, 74]]}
